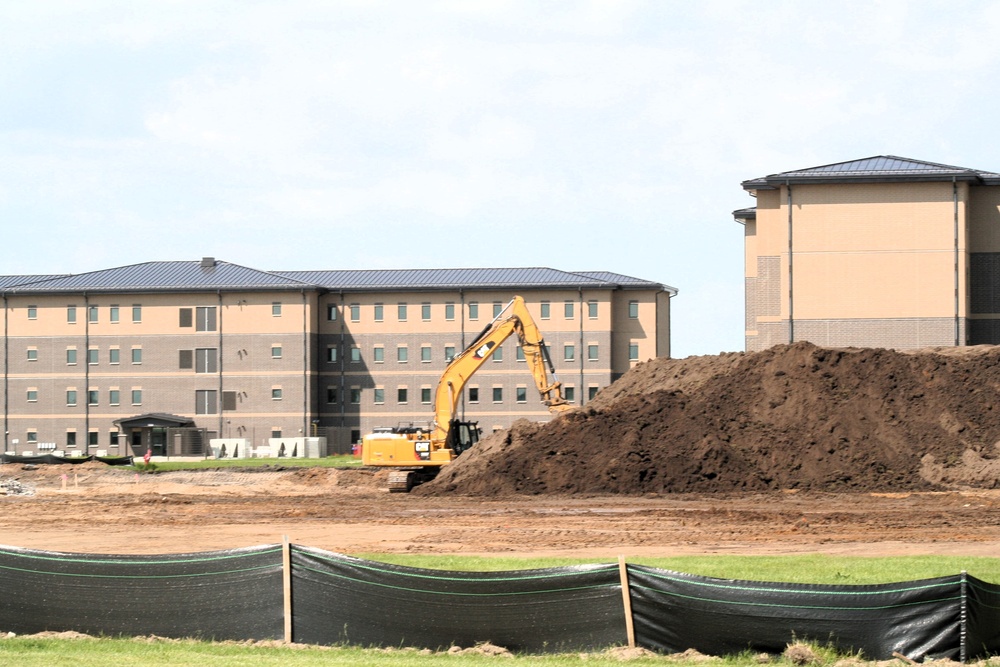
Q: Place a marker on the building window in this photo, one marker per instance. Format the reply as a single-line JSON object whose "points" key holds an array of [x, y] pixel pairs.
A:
{"points": [[136, 314], [401, 312], [633, 352], [331, 353], [379, 312], [592, 310], [31, 436], [545, 307], [32, 354], [276, 352], [569, 352], [112, 438], [331, 395], [473, 310], [379, 395], [498, 353], [92, 437], [402, 354], [71, 357], [113, 316], [114, 355], [402, 395], [331, 312], [568, 310], [592, 392], [206, 402], [71, 314], [633, 310], [71, 397], [449, 353], [425, 312], [276, 393], [185, 318], [92, 314], [473, 394], [92, 356], [425, 353], [497, 309], [521, 394], [449, 311], [592, 352], [355, 354], [276, 309], [32, 395], [32, 312], [137, 397], [378, 354], [114, 397], [228, 401], [206, 360], [425, 395], [205, 320], [355, 395], [519, 353], [92, 397], [498, 394], [136, 355], [185, 359], [275, 432], [355, 312], [569, 393], [71, 438]]}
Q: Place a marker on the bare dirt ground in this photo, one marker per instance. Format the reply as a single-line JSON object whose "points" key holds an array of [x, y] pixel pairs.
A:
{"points": [[796, 449], [113, 511]]}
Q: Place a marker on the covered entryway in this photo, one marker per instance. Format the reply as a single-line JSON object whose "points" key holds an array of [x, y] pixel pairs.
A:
{"points": [[162, 434]]}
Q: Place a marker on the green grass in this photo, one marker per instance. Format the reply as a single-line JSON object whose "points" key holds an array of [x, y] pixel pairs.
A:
{"points": [[338, 461], [37, 652], [813, 568]]}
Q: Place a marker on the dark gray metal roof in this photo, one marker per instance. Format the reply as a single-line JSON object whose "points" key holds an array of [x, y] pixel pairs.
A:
{"points": [[13, 281], [880, 168], [745, 213], [454, 279], [210, 275], [165, 277]]}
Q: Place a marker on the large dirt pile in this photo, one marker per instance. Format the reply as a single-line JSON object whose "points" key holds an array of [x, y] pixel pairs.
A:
{"points": [[791, 417]]}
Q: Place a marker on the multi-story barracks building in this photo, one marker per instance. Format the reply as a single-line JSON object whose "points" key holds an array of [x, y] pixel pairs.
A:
{"points": [[125, 360]]}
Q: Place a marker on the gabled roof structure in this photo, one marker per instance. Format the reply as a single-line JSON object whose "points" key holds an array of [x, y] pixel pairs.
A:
{"points": [[877, 169], [211, 275]]}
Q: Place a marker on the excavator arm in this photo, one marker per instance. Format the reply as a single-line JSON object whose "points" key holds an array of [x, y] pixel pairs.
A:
{"points": [[514, 319]]}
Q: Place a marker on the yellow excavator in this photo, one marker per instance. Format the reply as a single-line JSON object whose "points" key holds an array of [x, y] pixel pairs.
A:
{"points": [[416, 454]]}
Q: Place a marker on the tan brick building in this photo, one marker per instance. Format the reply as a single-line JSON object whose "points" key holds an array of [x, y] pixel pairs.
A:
{"points": [[110, 361], [877, 252]]}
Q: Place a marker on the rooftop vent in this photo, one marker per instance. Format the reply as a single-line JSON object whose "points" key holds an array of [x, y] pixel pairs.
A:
{"points": [[207, 262]]}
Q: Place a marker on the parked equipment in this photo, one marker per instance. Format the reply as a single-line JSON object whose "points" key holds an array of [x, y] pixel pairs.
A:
{"points": [[416, 454]]}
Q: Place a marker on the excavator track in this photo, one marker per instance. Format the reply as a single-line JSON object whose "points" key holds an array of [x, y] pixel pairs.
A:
{"points": [[403, 481]]}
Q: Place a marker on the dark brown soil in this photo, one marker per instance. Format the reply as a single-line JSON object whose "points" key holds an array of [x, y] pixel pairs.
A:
{"points": [[795, 417]]}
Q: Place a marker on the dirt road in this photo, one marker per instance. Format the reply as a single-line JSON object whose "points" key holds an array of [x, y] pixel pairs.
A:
{"points": [[98, 509]]}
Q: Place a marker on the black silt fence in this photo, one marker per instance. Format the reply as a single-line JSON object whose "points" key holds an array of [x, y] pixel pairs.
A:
{"points": [[339, 599], [674, 611], [313, 596], [235, 594]]}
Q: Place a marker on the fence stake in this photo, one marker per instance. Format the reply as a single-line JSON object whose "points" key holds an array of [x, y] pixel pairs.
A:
{"points": [[286, 571], [627, 601]]}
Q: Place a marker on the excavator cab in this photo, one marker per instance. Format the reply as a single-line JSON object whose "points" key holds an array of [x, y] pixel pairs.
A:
{"points": [[462, 435]]}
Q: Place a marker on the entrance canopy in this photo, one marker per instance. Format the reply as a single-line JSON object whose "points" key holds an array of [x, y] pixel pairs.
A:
{"points": [[154, 420]]}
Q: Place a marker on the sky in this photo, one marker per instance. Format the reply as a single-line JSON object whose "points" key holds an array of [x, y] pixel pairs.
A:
{"points": [[359, 134]]}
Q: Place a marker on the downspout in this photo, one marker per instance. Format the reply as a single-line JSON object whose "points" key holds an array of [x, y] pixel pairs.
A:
{"points": [[791, 293], [582, 387], [305, 372], [6, 375], [954, 195], [461, 320], [222, 433], [86, 373]]}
